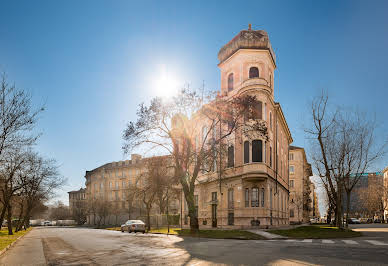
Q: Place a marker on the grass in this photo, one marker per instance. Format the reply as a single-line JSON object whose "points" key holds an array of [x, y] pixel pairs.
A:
{"points": [[5, 239], [316, 231], [221, 234], [218, 234]]}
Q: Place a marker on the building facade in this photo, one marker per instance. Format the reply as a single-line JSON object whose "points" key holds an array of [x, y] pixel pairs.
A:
{"points": [[385, 198], [301, 188], [77, 199], [253, 189], [109, 184]]}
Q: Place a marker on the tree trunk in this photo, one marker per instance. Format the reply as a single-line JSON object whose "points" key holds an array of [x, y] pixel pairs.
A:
{"points": [[20, 219], [148, 219], [339, 213], [347, 207], [2, 215], [9, 218]]}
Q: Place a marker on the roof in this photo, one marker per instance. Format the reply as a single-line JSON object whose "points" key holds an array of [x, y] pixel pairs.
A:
{"points": [[77, 191], [247, 39], [295, 148]]}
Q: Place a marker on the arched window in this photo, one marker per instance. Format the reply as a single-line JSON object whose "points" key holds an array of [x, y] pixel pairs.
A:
{"points": [[253, 72], [246, 151], [257, 151], [255, 197], [231, 156], [230, 82]]}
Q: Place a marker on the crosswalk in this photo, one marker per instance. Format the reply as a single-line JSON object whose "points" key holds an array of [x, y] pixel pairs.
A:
{"points": [[336, 241]]}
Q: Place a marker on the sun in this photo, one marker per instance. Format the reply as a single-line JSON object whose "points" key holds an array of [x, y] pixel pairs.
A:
{"points": [[166, 84]]}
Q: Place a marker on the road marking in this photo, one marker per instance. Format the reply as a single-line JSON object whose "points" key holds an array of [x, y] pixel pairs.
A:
{"points": [[377, 243], [326, 241], [307, 241], [350, 242]]}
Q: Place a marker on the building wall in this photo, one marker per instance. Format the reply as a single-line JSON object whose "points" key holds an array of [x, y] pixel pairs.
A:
{"points": [[385, 176]]}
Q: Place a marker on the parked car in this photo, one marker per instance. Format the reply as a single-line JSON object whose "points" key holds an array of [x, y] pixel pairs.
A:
{"points": [[47, 223], [314, 220], [377, 220], [353, 221], [133, 226]]}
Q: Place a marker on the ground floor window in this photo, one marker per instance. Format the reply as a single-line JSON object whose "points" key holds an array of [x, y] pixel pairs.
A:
{"points": [[291, 213], [230, 218], [247, 197], [255, 197]]}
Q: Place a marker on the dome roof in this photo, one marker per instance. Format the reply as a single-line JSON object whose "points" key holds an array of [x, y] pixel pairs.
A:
{"points": [[246, 39]]}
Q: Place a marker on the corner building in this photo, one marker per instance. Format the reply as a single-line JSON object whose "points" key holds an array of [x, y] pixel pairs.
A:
{"points": [[254, 190]]}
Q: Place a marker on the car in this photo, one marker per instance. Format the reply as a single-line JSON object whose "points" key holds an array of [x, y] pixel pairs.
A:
{"points": [[314, 220], [377, 221], [353, 221], [47, 223], [133, 226]]}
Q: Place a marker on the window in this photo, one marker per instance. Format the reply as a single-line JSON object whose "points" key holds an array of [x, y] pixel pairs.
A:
{"points": [[257, 110], [110, 184], [291, 183], [257, 151], [265, 112], [291, 213], [101, 185], [214, 197], [253, 72], [230, 198], [291, 157], [116, 195], [255, 197], [270, 156], [291, 169], [262, 197], [231, 156], [117, 184], [230, 218], [270, 198], [123, 195], [247, 197], [270, 120], [230, 82], [246, 151]]}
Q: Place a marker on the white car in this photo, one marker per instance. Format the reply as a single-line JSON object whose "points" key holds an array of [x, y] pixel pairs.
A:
{"points": [[47, 223], [133, 226]]}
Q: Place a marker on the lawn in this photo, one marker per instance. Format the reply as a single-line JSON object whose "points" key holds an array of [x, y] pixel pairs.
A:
{"points": [[316, 231], [220, 234], [5, 239]]}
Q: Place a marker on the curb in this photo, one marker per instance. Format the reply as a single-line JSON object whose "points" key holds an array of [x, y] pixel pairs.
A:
{"points": [[4, 250]]}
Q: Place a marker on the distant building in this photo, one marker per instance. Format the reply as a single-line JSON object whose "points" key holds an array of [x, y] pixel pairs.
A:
{"points": [[385, 200], [77, 199], [110, 183], [302, 190], [356, 207]]}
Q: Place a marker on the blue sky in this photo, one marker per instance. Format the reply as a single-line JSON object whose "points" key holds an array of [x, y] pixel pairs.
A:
{"points": [[93, 62]]}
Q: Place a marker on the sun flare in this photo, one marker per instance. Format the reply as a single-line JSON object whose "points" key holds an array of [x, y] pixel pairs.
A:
{"points": [[166, 85]]}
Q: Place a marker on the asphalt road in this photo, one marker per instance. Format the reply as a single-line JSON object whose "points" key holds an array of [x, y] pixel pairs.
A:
{"points": [[80, 246]]}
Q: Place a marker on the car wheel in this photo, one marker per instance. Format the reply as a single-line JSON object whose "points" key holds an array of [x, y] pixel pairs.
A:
{"points": [[143, 232]]}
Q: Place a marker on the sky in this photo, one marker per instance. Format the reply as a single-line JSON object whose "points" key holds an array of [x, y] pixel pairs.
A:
{"points": [[93, 62]]}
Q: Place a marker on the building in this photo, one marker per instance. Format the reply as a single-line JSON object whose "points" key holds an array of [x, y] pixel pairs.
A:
{"points": [[301, 188], [77, 199], [385, 200], [359, 206], [109, 184], [253, 189]]}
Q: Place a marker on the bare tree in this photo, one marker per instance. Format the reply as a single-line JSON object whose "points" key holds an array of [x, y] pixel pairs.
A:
{"points": [[173, 126], [372, 197], [103, 210], [59, 211], [342, 150]]}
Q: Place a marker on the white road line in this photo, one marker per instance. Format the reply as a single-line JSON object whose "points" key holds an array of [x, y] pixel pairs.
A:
{"points": [[290, 240], [350, 242], [307, 241], [326, 241], [377, 243]]}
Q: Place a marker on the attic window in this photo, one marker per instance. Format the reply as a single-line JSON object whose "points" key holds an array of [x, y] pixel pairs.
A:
{"points": [[253, 72]]}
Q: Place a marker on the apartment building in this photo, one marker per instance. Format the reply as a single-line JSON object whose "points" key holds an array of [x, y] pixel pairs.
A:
{"points": [[254, 186], [77, 199], [302, 190]]}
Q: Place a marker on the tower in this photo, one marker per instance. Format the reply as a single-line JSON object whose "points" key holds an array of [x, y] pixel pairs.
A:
{"points": [[247, 62]]}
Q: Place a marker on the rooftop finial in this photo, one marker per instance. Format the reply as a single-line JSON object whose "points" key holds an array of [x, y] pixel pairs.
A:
{"points": [[249, 26]]}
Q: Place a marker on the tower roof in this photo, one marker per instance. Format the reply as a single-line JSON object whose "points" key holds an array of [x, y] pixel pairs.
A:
{"points": [[247, 39]]}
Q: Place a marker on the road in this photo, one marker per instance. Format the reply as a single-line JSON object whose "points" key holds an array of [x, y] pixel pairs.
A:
{"points": [[81, 246]]}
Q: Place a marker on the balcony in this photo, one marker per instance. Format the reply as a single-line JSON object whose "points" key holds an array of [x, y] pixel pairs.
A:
{"points": [[254, 172], [254, 82]]}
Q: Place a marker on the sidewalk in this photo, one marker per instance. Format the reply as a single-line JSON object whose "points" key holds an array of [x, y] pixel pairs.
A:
{"points": [[266, 234]]}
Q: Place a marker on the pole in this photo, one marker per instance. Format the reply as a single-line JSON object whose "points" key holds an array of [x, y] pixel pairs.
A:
{"points": [[168, 223]]}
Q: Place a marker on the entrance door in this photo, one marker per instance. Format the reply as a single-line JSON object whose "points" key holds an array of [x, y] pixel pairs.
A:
{"points": [[214, 215]]}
